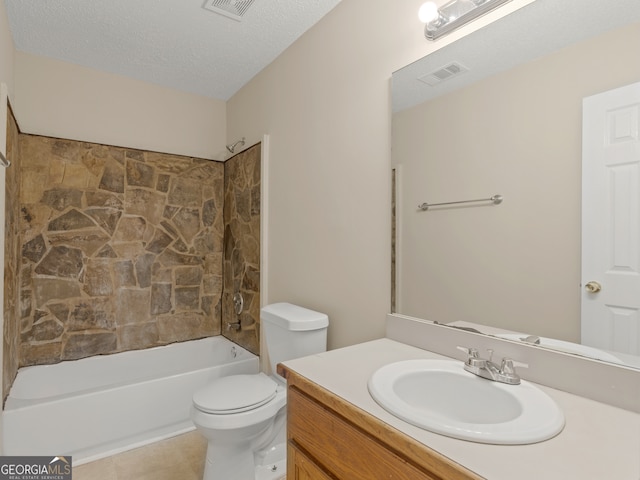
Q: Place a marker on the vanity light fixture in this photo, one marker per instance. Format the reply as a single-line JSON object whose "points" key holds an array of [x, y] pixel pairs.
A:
{"points": [[453, 15]]}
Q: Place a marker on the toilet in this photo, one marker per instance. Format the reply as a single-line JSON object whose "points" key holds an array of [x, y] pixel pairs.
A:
{"points": [[243, 417]]}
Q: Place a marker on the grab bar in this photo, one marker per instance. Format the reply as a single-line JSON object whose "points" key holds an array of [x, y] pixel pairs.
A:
{"points": [[496, 199], [4, 161]]}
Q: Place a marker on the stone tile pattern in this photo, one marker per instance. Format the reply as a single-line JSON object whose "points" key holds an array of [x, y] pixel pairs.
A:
{"points": [[121, 249], [11, 307], [242, 247]]}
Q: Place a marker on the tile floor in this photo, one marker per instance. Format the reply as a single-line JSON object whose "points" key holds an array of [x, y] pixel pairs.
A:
{"points": [[178, 458]]}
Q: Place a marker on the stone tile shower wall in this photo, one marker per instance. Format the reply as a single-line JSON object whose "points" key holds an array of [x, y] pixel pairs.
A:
{"points": [[11, 307], [121, 249], [242, 247]]}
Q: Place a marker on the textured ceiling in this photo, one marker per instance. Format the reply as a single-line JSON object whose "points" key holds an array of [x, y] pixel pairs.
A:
{"points": [[174, 43]]}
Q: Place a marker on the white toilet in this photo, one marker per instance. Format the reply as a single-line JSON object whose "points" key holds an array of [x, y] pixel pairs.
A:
{"points": [[243, 417]]}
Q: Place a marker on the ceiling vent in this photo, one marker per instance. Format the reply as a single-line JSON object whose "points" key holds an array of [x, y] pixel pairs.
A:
{"points": [[445, 73], [229, 8]]}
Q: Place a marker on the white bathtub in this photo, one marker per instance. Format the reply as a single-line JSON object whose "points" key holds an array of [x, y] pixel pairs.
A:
{"points": [[98, 406]]}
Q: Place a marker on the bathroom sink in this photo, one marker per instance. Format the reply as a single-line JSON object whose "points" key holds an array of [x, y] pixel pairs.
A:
{"points": [[440, 396]]}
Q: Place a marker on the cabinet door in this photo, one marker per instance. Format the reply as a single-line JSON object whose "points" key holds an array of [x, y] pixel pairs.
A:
{"points": [[341, 448], [300, 467]]}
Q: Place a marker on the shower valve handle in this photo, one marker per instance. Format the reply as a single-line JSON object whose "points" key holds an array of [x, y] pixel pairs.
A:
{"points": [[238, 303]]}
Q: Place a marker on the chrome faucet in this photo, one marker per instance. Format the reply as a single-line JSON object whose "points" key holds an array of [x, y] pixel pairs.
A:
{"points": [[505, 373]]}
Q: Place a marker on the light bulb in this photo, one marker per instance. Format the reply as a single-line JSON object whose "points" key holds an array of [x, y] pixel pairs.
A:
{"points": [[428, 12]]}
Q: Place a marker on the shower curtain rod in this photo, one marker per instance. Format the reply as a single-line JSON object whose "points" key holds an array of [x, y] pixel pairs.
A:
{"points": [[496, 199], [4, 161]]}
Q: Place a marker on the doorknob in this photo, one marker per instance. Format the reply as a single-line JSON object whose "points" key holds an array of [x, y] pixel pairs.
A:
{"points": [[593, 287]]}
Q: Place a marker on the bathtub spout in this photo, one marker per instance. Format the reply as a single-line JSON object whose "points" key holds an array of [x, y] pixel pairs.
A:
{"points": [[234, 326]]}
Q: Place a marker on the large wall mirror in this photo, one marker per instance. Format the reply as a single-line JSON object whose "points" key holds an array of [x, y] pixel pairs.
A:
{"points": [[508, 120]]}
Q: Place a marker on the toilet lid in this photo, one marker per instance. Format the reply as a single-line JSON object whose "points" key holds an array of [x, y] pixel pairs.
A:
{"points": [[235, 393]]}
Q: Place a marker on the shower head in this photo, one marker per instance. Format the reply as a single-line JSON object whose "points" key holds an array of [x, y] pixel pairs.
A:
{"points": [[232, 147]]}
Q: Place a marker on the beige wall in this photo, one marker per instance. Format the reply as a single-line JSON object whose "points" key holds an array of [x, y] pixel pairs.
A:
{"points": [[516, 265], [7, 52], [325, 102], [60, 99], [325, 105]]}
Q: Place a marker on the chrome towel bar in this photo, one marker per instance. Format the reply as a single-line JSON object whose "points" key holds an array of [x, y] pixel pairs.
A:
{"points": [[496, 199]]}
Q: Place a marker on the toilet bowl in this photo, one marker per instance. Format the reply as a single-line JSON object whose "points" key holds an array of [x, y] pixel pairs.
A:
{"points": [[236, 432], [243, 417]]}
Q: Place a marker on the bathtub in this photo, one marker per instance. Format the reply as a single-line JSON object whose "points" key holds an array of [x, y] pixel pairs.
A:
{"points": [[99, 406]]}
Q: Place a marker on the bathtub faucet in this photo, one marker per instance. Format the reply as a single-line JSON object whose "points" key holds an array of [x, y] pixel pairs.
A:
{"points": [[234, 326]]}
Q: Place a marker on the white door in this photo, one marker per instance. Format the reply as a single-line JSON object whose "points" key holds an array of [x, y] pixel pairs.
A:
{"points": [[611, 220]]}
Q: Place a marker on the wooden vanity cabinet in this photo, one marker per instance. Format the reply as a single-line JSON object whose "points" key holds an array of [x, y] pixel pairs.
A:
{"points": [[331, 439]]}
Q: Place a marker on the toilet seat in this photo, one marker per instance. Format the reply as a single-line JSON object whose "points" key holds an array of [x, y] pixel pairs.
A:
{"points": [[235, 394]]}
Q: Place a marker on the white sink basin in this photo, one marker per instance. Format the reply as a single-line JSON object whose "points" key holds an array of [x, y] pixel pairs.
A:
{"points": [[440, 396]]}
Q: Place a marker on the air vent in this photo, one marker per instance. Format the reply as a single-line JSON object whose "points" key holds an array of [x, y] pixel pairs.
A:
{"points": [[229, 8], [445, 73]]}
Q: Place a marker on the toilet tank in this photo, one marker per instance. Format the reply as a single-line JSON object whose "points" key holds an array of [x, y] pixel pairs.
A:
{"points": [[292, 332]]}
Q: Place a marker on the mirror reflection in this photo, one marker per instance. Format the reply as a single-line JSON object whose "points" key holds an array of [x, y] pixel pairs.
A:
{"points": [[510, 122]]}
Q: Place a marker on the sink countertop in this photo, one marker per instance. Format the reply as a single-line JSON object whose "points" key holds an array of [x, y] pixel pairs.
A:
{"points": [[598, 441]]}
